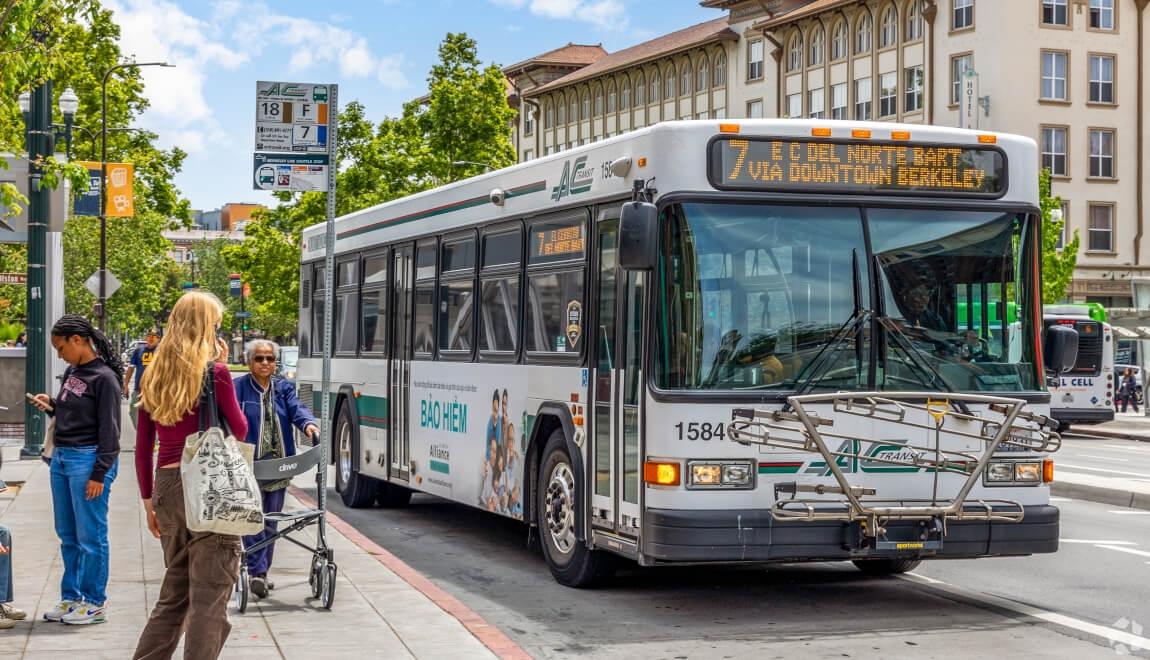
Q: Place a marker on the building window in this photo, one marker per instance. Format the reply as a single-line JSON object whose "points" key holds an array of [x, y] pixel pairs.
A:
{"points": [[839, 101], [685, 79], [562, 113], [959, 65], [1054, 150], [816, 104], [669, 84], [1101, 230], [795, 53], [719, 113], [888, 94], [889, 32], [719, 79], [528, 123], [612, 100], [862, 99], [1054, 75], [817, 44], [625, 96], [1102, 153], [755, 110], [655, 87], [1055, 12], [1102, 79], [863, 34], [1102, 14], [599, 103], [641, 92], [755, 59], [794, 106], [914, 21], [701, 84], [962, 14], [912, 77], [574, 115], [839, 42], [528, 154]]}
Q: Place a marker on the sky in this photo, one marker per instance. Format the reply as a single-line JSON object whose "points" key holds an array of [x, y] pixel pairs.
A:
{"points": [[377, 51]]}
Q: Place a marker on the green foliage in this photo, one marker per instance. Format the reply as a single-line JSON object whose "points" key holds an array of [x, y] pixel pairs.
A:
{"points": [[1057, 263], [465, 118]]}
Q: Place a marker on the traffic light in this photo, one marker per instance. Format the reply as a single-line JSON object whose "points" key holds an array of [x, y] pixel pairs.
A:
{"points": [[245, 325]]}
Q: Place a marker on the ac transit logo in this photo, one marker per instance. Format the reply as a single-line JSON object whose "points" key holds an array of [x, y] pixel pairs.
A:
{"points": [[575, 180]]}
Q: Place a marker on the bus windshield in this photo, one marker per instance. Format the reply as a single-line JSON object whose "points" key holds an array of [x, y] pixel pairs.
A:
{"points": [[782, 298]]}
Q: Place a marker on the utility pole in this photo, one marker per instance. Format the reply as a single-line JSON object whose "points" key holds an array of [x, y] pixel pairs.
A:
{"points": [[40, 145]]}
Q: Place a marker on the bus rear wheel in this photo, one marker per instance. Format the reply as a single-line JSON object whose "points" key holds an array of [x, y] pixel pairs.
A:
{"points": [[880, 567], [572, 563], [356, 490]]}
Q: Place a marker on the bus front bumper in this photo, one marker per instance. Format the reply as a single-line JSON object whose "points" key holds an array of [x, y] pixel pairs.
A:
{"points": [[754, 536], [1083, 415]]}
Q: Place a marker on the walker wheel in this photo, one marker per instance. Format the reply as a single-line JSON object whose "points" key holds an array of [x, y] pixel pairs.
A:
{"points": [[315, 576], [327, 598], [243, 590]]}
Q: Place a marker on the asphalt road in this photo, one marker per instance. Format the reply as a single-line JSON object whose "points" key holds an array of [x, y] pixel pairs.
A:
{"points": [[1102, 457], [1078, 603]]}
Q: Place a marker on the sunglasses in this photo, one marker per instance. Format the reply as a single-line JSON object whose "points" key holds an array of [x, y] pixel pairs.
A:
{"points": [[264, 358]]}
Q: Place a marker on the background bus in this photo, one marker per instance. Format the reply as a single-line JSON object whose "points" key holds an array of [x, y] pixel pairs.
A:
{"points": [[1085, 395], [560, 342]]}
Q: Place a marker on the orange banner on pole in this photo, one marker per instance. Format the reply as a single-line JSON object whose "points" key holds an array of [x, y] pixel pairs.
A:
{"points": [[121, 200]]}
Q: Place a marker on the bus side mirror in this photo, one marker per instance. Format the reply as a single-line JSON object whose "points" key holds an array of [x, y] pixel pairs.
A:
{"points": [[1059, 349], [638, 235]]}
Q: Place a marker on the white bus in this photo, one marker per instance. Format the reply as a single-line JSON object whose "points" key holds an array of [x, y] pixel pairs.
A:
{"points": [[1085, 394], [599, 343]]}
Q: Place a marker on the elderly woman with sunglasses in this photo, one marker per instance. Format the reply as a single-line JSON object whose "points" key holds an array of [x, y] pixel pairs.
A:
{"points": [[272, 410]]}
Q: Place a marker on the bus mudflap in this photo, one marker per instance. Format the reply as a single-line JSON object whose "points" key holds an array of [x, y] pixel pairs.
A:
{"points": [[960, 435]]}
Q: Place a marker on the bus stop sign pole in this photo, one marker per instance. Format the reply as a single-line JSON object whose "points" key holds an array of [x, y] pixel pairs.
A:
{"points": [[328, 296]]}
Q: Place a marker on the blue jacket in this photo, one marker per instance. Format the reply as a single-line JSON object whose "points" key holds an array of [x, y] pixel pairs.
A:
{"points": [[289, 410]]}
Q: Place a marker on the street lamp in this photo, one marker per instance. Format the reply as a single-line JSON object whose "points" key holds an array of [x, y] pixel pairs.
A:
{"points": [[69, 104], [101, 303]]}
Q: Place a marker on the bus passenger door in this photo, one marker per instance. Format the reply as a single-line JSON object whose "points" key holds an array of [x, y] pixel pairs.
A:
{"points": [[616, 389], [399, 377]]}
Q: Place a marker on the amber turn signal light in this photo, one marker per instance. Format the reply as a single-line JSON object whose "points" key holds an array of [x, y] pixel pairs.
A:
{"points": [[661, 473]]}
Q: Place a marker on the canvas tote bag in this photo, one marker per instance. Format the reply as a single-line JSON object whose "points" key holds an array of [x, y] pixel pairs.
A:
{"points": [[221, 494]]}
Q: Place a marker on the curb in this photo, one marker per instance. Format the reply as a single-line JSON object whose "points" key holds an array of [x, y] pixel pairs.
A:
{"points": [[1111, 496], [490, 636]]}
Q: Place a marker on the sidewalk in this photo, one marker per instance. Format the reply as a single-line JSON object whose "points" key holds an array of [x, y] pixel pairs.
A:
{"points": [[1127, 426], [382, 607], [1113, 490]]}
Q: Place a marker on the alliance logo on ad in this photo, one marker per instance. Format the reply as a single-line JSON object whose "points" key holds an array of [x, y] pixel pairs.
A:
{"points": [[574, 181]]}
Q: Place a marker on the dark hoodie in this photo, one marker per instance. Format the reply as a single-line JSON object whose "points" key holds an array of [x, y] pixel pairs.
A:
{"points": [[87, 413]]}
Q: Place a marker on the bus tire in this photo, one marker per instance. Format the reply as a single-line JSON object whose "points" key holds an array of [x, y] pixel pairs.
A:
{"points": [[356, 490], [881, 567], [392, 496], [572, 563]]}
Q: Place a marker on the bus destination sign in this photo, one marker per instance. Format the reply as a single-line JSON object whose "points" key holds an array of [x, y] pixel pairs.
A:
{"points": [[557, 241], [790, 164]]}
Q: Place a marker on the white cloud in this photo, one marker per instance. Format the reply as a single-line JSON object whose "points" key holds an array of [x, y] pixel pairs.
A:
{"points": [[605, 14]]}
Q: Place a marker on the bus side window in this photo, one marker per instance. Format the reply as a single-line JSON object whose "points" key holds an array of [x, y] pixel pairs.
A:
{"points": [[499, 289], [457, 297], [424, 334], [373, 304], [556, 281], [305, 283]]}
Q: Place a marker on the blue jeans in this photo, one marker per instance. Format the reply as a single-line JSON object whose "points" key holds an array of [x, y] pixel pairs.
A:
{"points": [[6, 566], [81, 524], [260, 561]]}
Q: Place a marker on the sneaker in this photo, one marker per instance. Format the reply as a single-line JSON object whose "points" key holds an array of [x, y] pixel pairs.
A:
{"points": [[259, 586], [7, 611], [58, 612], [84, 614], [5, 622]]}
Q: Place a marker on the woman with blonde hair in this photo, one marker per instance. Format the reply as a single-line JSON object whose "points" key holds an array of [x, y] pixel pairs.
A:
{"points": [[202, 567]]}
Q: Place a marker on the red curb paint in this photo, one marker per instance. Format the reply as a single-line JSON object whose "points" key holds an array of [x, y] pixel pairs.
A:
{"points": [[491, 637]]}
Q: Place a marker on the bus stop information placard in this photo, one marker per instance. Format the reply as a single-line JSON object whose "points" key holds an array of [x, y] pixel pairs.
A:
{"points": [[795, 164]]}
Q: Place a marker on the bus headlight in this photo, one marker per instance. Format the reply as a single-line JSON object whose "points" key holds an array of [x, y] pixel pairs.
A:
{"points": [[1016, 473], [1028, 472], [999, 472], [720, 474]]}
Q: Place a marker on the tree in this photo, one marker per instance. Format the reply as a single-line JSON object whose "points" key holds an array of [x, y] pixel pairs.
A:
{"points": [[1057, 263], [464, 118]]}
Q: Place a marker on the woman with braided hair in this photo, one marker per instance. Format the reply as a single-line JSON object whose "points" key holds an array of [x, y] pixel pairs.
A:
{"points": [[84, 464]]}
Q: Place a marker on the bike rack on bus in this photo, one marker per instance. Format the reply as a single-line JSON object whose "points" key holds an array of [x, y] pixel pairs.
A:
{"points": [[1000, 424]]}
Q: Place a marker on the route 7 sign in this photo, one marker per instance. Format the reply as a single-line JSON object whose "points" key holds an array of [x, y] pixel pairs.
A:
{"points": [[291, 117]]}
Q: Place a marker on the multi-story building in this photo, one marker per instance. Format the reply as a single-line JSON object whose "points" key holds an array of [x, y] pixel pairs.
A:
{"points": [[1068, 73]]}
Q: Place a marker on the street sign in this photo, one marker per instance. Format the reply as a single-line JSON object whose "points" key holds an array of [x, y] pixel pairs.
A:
{"points": [[243, 315], [291, 117], [111, 283], [234, 286], [290, 172], [969, 111], [13, 278], [89, 202]]}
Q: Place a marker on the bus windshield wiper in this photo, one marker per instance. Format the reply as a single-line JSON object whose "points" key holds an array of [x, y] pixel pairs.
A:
{"points": [[813, 373], [918, 358]]}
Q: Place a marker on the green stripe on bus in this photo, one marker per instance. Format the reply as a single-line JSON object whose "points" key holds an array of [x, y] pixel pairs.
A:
{"points": [[440, 466], [779, 468], [372, 410]]}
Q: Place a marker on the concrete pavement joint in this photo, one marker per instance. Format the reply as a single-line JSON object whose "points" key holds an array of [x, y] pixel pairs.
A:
{"points": [[491, 637]]}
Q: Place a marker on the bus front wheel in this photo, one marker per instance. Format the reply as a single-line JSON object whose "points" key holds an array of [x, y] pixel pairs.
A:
{"points": [[880, 567], [571, 562], [356, 490]]}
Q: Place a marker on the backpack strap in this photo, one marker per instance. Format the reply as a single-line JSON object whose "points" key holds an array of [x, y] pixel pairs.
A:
{"points": [[209, 412]]}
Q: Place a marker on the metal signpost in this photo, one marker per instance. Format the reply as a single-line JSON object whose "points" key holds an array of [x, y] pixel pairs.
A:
{"points": [[295, 138]]}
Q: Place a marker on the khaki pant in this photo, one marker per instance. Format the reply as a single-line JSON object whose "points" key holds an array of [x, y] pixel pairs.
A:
{"points": [[202, 571]]}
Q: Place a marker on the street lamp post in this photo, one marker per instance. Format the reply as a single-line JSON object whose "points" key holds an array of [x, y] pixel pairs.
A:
{"points": [[101, 303]]}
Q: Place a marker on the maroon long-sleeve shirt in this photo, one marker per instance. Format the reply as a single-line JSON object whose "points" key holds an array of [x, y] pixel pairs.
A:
{"points": [[172, 437]]}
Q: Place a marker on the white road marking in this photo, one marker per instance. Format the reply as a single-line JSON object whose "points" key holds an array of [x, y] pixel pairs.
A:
{"points": [[1130, 512], [1060, 499], [1091, 542], [1140, 553], [1136, 450], [1112, 635], [1094, 469], [1106, 458]]}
